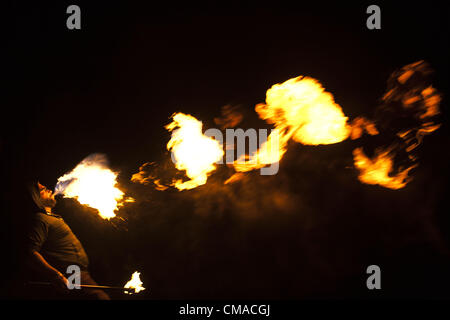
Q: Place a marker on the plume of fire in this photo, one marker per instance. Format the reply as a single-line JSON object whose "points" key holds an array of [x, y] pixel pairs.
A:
{"points": [[134, 283], [93, 184], [409, 96], [301, 110], [192, 152]]}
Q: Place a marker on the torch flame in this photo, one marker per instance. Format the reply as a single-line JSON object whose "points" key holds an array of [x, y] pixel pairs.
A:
{"points": [[93, 184], [134, 283], [192, 151]]}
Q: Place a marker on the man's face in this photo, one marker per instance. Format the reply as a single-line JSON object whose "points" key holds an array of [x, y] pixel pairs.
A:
{"points": [[47, 196]]}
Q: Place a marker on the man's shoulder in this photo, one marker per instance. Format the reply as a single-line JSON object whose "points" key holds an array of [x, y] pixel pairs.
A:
{"points": [[47, 218]]}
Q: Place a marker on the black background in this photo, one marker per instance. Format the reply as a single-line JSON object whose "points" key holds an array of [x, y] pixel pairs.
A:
{"points": [[310, 231]]}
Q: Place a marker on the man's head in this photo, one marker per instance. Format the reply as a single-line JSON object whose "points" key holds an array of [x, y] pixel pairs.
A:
{"points": [[43, 197]]}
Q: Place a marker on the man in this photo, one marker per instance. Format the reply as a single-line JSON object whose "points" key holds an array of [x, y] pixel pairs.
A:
{"points": [[54, 247]]}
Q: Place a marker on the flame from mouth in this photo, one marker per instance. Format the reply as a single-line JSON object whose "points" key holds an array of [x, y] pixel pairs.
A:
{"points": [[93, 184]]}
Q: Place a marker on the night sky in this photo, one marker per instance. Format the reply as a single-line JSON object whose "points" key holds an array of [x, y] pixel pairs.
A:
{"points": [[308, 232]]}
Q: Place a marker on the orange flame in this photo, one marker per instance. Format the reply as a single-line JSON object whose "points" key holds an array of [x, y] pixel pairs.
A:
{"points": [[93, 184], [271, 151], [359, 125], [134, 283], [300, 109], [408, 96], [378, 170], [192, 151]]}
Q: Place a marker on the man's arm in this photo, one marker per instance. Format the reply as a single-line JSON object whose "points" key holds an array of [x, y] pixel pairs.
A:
{"points": [[37, 237], [41, 265]]}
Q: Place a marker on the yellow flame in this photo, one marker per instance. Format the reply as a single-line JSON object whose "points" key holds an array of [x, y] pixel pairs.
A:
{"points": [[91, 183], [302, 106], [194, 153], [377, 170], [271, 151], [300, 109], [134, 283]]}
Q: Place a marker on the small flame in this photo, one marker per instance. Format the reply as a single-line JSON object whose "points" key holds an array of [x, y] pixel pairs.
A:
{"points": [[93, 184], [378, 170], [134, 283], [361, 124], [192, 151]]}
